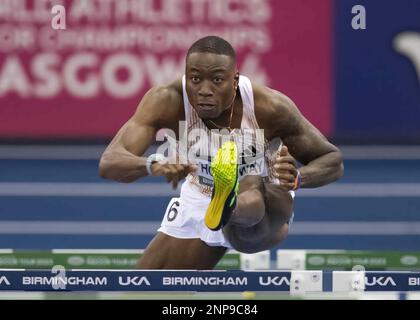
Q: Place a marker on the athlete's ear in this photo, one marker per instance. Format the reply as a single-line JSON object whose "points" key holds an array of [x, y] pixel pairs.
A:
{"points": [[236, 81]]}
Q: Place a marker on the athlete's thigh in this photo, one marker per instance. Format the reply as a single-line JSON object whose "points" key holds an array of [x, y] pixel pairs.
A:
{"points": [[166, 252]]}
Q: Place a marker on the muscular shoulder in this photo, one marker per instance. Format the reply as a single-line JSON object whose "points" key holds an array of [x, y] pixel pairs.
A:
{"points": [[164, 102], [165, 99], [170, 93], [275, 112], [162, 105]]}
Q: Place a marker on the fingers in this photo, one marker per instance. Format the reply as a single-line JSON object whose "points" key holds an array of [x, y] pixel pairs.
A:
{"points": [[286, 177], [157, 169], [286, 159], [283, 151], [287, 181], [286, 186], [285, 167], [181, 173], [191, 168], [174, 172]]}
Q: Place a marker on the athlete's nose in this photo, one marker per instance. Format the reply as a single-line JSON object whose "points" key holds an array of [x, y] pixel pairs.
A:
{"points": [[205, 90]]}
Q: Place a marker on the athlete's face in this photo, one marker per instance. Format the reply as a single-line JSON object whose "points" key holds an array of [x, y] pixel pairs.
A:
{"points": [[211, 80]]}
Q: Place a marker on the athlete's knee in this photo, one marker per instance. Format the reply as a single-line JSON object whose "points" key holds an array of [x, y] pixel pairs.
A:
{"points": [[259, 238], [250, 208]]}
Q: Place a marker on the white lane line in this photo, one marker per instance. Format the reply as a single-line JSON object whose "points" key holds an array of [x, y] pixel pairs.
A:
{"points": [[51, 189], [94, 152], [396, 228]]}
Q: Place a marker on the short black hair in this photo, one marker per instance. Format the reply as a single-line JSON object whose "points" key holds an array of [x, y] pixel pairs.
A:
{"points": [[213, 44]]}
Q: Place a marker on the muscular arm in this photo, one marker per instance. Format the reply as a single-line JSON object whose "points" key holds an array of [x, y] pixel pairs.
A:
{"points": [[322, 160], [122, 160]]}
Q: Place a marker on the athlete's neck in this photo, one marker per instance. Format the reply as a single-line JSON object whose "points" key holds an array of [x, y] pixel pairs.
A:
{"points": [[226, 120]]}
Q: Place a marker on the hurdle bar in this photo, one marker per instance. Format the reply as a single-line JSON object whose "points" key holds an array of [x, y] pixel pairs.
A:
{"points": [[346, 260], [294, 282], [116, 259]]}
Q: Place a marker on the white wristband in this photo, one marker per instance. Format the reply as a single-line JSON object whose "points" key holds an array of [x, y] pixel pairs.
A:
{"points": [[155, 157]]}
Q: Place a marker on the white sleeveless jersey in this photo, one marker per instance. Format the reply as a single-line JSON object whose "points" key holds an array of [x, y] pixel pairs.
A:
{"points": [[202, 179]]}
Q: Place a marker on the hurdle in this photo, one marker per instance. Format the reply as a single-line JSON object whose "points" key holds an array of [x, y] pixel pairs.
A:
{"points": [[293, 282], [347, 260], [114, 259]]}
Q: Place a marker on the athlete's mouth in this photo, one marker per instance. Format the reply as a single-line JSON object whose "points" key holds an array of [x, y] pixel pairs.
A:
{"points": [[206, 106]]}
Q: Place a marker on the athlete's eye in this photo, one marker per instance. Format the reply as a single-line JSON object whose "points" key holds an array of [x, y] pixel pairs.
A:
{"points": [[195, 79], [217, 80]]}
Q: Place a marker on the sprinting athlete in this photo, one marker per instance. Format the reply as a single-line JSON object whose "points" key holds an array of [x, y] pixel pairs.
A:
{"points": [[221, 205]]}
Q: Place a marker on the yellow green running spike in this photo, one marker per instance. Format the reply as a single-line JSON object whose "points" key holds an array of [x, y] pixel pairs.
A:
{"points": [[224, 169]]}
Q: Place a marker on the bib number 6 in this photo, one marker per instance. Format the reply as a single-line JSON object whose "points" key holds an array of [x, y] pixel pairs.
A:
{"points": [[173, 211]]}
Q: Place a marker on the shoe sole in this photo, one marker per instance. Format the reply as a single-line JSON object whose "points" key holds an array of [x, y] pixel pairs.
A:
{"points": [[223, 168]]}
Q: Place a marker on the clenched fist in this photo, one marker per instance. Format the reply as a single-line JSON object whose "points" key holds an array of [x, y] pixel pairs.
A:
{"points": [[286, 170]]}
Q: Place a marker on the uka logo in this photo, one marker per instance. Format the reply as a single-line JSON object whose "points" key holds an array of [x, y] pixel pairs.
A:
{"points": [[133, 281], [380, 281], [274, 281]]}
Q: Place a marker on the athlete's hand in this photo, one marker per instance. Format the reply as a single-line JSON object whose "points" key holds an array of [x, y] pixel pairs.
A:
{"points": [[173, 172], [286, 170]]}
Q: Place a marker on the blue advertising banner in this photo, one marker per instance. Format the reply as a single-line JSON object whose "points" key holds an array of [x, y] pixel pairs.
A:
{"points": [[377, 71], [106, 280], [60, 279]]}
